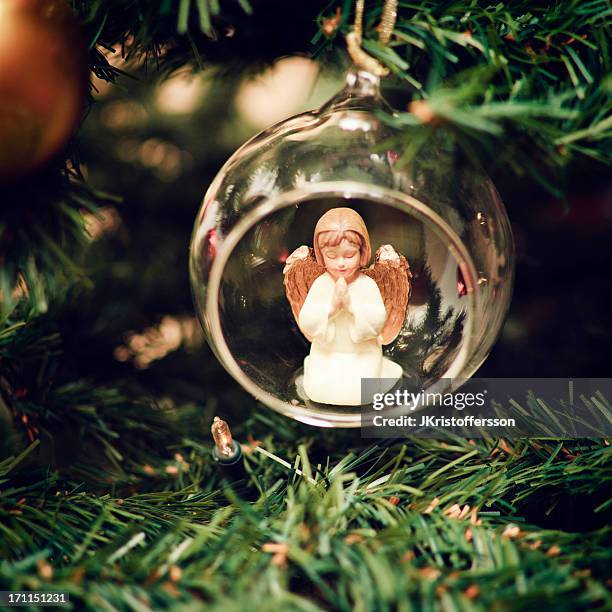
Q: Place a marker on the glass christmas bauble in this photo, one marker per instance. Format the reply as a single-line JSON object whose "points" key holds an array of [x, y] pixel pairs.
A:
{"points": [[444, 216]]}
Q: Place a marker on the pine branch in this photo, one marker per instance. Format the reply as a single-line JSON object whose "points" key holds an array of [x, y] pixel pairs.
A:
{"points": [[358, 532], [42, 238], [529, 82], [87, 430]]}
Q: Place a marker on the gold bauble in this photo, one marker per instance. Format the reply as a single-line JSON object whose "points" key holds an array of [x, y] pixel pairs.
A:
{"points": [[43, 82]]}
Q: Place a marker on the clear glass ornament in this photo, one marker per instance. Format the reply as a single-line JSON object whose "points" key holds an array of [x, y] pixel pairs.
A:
{"points": [[446, 218]]}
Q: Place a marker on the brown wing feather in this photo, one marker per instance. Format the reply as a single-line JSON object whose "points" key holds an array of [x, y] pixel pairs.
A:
{"points": [[300, 272], [393, 279]]}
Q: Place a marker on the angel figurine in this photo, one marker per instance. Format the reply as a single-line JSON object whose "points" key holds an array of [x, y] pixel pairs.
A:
{"points": [[346, 309]]}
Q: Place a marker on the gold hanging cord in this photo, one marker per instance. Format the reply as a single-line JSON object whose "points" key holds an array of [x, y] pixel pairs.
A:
{"points": [[360, 58]]}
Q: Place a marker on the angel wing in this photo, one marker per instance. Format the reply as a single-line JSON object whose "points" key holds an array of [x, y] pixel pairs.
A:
{"points": [[392, 275], [300, 271]]}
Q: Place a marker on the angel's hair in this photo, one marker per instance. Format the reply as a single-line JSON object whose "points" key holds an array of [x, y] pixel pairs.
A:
{"points": [[338, 224], [333, 238]]}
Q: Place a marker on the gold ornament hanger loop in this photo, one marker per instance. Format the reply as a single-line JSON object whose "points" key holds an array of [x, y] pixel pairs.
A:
{"points": [[360, 58]]}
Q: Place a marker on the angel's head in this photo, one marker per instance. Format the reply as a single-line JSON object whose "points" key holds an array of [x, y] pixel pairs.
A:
{"points": [[341, 243]]}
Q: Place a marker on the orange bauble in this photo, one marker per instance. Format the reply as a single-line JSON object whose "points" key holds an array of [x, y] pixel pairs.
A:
{"points": [[43, 82]]}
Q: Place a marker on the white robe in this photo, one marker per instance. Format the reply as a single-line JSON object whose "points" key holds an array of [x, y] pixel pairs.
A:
{"points": [[344, 347]]}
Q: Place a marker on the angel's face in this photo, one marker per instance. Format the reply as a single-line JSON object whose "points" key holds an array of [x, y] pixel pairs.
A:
{"points": [[342, 261]]}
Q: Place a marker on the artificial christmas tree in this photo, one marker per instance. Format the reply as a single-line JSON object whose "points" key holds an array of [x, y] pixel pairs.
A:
{"points": [[108, 392]]}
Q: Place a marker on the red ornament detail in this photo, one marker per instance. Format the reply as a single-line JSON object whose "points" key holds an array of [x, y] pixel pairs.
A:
{"points": [[212, 242], [392, 156], [461, 285]]}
